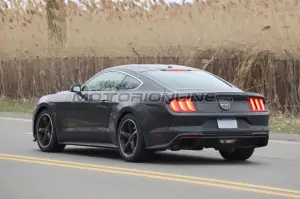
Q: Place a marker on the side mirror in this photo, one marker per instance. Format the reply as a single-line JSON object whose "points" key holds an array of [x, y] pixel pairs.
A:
{"points": [[76, 88]]}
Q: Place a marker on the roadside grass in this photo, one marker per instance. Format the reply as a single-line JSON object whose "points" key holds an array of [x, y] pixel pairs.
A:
{"points": [[285, 124], [278, 123], [16, 106]]}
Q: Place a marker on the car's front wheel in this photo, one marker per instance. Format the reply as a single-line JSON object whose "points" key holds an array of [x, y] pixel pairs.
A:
{"points": [[237, 154], [130, 139], [46, 134]]}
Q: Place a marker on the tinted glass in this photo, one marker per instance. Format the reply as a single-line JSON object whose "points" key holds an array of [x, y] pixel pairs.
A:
{"points": [[187, 79], [129, 83], [108, 81]]}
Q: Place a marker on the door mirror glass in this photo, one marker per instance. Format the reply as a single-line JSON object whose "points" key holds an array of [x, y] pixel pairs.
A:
{"points": [[76, 88]]}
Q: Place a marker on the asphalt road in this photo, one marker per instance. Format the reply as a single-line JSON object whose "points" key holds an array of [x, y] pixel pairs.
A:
{"points": [[79, 172]]}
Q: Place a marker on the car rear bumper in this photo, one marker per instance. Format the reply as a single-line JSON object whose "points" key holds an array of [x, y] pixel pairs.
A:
{"points": [[164, 130], [209, 139]]}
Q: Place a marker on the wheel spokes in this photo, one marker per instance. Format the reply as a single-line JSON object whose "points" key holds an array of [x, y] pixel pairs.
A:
{"points": [[44, 139], [126, 146], [48, 127], [125, 135], [44, 130], [134, 134], [128, 137], [132, 145]]}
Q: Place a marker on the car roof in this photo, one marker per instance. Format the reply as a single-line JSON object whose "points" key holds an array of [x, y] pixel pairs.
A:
{"points": [[150, 67], [136, 71]]}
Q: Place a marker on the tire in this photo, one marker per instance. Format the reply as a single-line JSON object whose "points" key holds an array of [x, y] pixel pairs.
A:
{"points": [[237, 155], [53, 145], [139, 153]]}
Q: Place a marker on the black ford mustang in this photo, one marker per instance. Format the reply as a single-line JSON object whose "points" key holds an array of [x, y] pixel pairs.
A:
{"points": [[138, 109]]}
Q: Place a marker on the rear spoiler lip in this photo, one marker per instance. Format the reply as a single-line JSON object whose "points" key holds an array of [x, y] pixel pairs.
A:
{"points": [[252, 94], [186, 94]]}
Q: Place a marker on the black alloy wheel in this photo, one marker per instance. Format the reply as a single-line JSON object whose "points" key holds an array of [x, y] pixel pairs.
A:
{"points": [[130, 139], [44, 130], [45, 133]]}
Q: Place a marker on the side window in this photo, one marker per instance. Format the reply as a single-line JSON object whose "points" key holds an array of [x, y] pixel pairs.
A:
{"points": [[108, 81], [129, 83]]}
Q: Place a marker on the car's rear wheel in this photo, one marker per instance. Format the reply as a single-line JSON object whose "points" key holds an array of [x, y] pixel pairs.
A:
{"points": [[46, 134], [237, 154], [130, 139]]}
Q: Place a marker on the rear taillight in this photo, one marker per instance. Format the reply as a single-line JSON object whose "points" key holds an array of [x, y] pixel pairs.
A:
{"points": [[256, 104], [182, 105]]}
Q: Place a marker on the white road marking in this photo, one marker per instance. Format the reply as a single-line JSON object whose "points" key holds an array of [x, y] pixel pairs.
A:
{"points": [[284, 142], [29, 133], [16, 119]]}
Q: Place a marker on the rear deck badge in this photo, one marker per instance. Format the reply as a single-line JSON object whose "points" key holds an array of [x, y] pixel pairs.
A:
{"points": [[224, 104]]}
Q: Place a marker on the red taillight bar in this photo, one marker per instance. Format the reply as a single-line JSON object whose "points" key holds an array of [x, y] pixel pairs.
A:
{"points": [[182, 105], [256, 104]]}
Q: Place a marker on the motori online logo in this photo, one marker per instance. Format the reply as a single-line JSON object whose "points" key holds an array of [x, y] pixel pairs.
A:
{"points": [[147, 97]]}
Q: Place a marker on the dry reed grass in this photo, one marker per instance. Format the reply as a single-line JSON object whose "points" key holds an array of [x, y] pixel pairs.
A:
{"points": [[108, 29], [243, 38], [278, 80]]}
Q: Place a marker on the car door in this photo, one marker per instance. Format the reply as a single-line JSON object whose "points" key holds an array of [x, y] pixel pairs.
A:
{"points": [[128, 84], [88, 117]]}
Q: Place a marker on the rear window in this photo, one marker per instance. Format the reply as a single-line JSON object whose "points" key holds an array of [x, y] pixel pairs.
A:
{"points": [[188, 79]]}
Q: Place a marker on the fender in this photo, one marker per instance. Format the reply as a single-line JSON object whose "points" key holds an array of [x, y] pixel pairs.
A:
{"points": [[40, 107], [113, 128]]}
